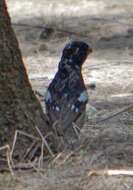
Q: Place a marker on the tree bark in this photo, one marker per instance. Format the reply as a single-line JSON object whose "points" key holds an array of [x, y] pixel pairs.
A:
{"points": [[19, 108]]}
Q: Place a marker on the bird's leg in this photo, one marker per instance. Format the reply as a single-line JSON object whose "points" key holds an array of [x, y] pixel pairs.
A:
{"points": [[59, 135]]}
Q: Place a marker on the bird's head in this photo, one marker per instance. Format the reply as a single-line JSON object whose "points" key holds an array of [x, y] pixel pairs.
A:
{"points": [[74, 54]]}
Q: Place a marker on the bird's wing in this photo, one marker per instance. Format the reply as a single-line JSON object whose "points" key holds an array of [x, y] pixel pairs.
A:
{"points": [[73, 110]]}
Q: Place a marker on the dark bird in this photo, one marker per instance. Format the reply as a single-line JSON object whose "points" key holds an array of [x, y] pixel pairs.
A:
{"points": [[66, 96]]}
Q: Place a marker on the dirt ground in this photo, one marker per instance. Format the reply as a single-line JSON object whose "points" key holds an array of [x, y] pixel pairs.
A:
{"points": [[43, 27]]}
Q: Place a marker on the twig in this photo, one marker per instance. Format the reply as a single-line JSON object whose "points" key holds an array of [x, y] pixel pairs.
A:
{"points": [[40, 162], [56, 158], [67, 157], [9, 161], [115, 114], [29, 150], [72, 153], [33, 152], [9, 158], [60, 157], [58, 131], [66, 31], [36, 169], [49, 134], [23, 166], [111, 172], [26, 166], [15, 139], [53, 28], [76, 129], [44, 141]]}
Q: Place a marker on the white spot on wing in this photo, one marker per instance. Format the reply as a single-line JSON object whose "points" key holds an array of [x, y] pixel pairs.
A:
{"points": [[65, 95], [76, 110], [83, 96], [70, 60], [57, 108], [72, 107]]}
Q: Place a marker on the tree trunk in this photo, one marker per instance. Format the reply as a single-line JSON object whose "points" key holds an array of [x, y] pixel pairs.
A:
{"points": [[19, 108]]}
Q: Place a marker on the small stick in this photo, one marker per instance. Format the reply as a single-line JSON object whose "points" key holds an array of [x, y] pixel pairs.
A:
{"points": [[9, 159], [36, 169], [111, 172], [4, 147], [29, 149], [40, 162], [115, 114], [33, 152], [73, 152], [56, 158], [76, 129], [23, 166], [15, 139], [44, 141], [67, 158], [54, 128], [49, 134]]}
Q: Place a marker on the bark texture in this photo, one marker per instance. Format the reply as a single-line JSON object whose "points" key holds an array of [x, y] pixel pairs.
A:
{"points": [[19, 108]]}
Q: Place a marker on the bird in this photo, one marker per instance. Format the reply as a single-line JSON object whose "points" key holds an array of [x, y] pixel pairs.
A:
{"points": [[66, 96]]}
